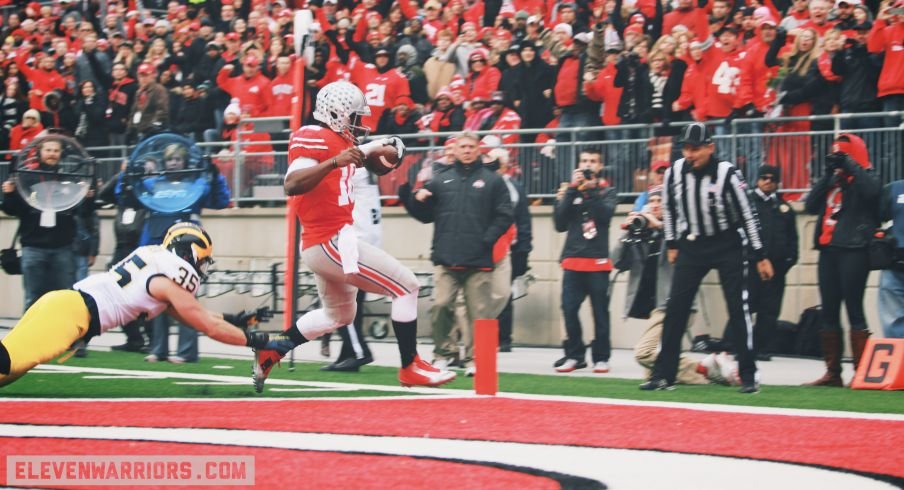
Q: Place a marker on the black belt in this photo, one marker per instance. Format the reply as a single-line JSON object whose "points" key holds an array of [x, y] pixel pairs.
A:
{"points": [[94, 323]]}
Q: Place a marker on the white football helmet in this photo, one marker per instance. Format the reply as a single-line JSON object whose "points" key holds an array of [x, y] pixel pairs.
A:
{"points": [[340, 105]]}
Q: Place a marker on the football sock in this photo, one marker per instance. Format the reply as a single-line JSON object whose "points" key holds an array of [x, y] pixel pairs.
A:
{"points": [[295, 336], [4, 360], [406, 336]]}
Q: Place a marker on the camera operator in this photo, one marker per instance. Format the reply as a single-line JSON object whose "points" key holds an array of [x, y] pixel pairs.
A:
{"points": [[583, 209], [846, 199], [641, 252]]}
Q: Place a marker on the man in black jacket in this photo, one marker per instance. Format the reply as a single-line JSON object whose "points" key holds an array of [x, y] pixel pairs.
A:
{"points": [[859, 71], [48, 263], [583, 209], [471, 209], [779, 235]]}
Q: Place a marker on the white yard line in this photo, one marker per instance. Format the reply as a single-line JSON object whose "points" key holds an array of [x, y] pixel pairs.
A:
{"points": [[287, 384]]}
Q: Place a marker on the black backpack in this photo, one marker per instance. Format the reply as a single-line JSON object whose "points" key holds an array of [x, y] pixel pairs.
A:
{"points": [[808, 343], [784, 339]]}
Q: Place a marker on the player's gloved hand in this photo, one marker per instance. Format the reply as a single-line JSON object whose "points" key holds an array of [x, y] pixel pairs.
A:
{"points": [[245, 319], [396, 142], [278, 342]]}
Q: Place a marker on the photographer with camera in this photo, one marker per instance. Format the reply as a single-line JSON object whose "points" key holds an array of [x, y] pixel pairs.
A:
{"points": [[846, 200], [641, 251], [583, 209]]}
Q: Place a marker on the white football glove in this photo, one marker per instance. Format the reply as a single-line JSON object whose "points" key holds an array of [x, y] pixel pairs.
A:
{"points": [[397, 143]]}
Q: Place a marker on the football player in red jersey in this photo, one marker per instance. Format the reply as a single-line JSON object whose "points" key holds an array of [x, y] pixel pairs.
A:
{"points": [[323, 159]]}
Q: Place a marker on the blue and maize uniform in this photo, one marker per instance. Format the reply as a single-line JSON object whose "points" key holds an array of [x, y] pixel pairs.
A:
{"points": [[93, 306]]}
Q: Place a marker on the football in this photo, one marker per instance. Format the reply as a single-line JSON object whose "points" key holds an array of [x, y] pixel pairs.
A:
{"points": [[382, 159]]}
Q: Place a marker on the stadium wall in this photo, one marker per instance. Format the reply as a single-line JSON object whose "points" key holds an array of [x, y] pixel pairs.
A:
{"points": [[253, 239]]}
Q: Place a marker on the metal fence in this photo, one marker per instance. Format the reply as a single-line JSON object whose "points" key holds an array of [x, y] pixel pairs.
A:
{"points": [[254, 164]]}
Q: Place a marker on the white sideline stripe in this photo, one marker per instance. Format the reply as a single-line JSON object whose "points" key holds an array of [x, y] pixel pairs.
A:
{"points": [[617, 468], [436, 392]]}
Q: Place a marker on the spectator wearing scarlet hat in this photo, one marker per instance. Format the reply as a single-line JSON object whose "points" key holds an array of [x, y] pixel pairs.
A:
{"points": [[482, 80], [401, 120], [43, 79], [250, 87], [150, 111], [446, 116], [654, 179], [845, 201]]}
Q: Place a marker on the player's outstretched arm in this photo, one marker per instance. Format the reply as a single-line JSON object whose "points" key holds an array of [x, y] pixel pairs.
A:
{"points": [[186, 308], [303, 177]]}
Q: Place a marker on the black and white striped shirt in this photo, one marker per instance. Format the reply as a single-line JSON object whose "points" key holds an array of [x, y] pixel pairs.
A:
{"points": [[707, 203]]}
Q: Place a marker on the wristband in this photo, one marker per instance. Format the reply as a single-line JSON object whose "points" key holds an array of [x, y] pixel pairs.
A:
{"points": [[335, 163]]}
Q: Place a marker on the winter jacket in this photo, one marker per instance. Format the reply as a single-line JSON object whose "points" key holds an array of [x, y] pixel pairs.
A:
{"points": [[577, 206], [859, 214], [636, 253], [121, 97], [150, 110], [778, 231], [535, 108], [91, 129], [859, 72], [471, 208]]}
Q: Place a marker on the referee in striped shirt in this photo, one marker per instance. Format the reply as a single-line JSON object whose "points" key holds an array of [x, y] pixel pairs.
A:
{"points": [[709, 224]]}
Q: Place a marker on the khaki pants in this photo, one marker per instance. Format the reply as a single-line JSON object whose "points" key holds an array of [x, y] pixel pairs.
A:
{"points": [[647, 349], [477, 287]]}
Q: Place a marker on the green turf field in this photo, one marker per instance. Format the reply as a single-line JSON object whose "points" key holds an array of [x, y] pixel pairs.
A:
{"points": [[88, 385]]}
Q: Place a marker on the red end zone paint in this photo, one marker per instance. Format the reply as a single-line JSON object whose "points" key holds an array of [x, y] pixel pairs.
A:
{"points": [[280, 468], [859, 445]]}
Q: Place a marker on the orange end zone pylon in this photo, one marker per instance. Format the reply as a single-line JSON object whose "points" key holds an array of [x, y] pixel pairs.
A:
{"points": [[881, 366], [486, 343]]}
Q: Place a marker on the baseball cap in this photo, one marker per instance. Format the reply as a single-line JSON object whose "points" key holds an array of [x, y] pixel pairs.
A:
{"points": [[766, 21], [503, 34], [232, 36], [522, 15], [145, 68], [251, 61], [848, 2], [696, 134], [213, 45], [432, 5], [634, 28], [497, 97], [382, 52]]}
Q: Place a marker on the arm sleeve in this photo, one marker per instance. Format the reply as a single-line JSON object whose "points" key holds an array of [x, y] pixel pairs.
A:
{"points": [[421, 211], [669, 210], [563, 210], [815, 203], [736, 190], [503, 216], [219, 195]]}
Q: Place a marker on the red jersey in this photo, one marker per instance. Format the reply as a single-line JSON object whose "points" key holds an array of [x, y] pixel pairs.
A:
{"points": [[326, 208], [890, 40], [727, 80], [280, 93], [251, 92], [380, 90]]}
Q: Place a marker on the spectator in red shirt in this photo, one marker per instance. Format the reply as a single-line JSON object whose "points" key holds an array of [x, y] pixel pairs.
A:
{"points": [[22, 134], [44, 79], [250, 87], [482, 80], [887, 37], [282, 88]]}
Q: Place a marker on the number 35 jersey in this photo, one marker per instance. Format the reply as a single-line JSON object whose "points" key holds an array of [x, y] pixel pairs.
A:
{"points": [[122, 293]]}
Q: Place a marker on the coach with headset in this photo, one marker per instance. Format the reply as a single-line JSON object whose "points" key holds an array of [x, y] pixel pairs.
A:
{"points": [[709, 224]]}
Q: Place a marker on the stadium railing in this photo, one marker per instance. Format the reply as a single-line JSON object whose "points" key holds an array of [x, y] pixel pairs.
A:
{"points": [[798, 145]]}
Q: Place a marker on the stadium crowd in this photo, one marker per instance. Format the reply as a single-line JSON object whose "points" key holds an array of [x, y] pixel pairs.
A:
{"points": [[111, 72]]}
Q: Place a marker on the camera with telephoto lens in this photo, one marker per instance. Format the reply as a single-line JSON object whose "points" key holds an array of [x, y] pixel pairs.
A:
{"points": [[638, 224], [835, 160]]}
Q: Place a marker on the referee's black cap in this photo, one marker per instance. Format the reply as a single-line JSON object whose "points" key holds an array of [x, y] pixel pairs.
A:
{"points": [[696, 134]]}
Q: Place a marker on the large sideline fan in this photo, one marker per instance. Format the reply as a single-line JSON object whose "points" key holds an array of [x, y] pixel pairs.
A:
{"points": [[53, 174], [168, 173]]}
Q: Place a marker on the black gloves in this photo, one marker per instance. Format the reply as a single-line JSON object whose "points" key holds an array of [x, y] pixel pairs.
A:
{"points": [[244, 320], [839, 160]]}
